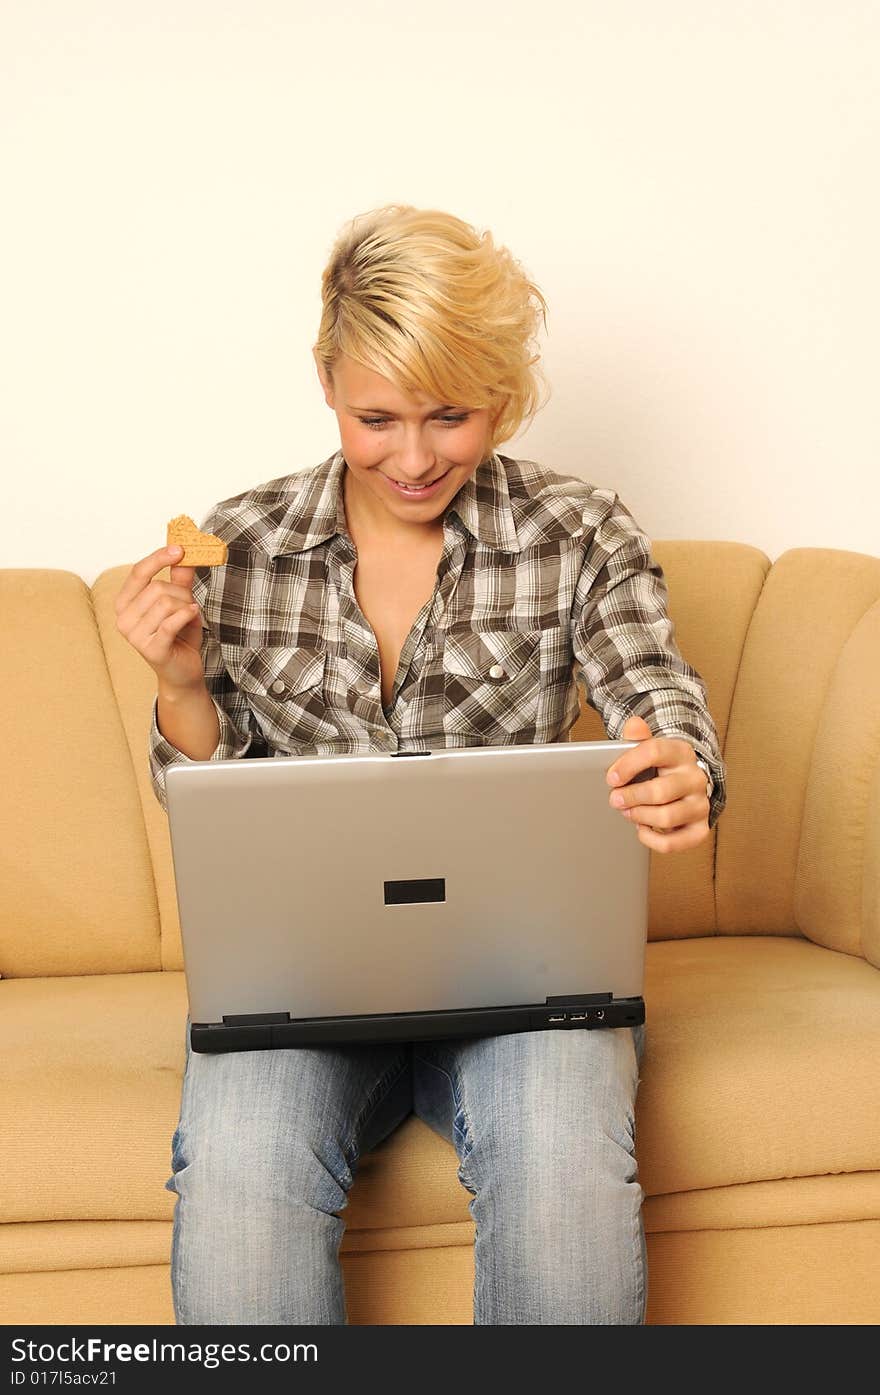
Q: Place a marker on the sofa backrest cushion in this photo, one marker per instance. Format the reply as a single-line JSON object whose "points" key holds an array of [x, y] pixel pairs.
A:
{"points": [[134, 684], [713, 588], [790, 657], [797, 845], [837, 880], [76, 882]]}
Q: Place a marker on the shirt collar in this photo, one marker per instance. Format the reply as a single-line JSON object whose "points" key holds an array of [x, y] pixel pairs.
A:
{"points": [[482, 506]]}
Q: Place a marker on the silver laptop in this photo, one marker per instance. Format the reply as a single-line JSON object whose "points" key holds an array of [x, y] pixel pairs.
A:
{"points": [[416, 895]]}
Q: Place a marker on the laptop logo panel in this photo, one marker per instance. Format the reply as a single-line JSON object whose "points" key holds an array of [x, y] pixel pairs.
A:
{"points": [[415, 891]]}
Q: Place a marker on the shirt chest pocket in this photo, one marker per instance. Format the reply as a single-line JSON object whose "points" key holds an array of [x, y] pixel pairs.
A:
{"points": [[492, 684], [284, 687]]}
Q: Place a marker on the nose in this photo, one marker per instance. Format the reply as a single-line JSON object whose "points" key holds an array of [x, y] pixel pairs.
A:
{"points": [[416, 459]]}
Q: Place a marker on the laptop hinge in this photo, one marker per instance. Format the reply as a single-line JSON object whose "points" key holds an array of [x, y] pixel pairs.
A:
{"points": [[254, 1019], [580, 998]]}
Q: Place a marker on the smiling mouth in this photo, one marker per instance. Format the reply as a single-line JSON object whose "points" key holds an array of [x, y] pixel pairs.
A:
{"points": [[423, 484]]}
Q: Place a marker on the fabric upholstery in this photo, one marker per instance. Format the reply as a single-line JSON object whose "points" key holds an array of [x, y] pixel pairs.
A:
{"points": [[713, 589], [76, 878], [758, 1114], [832, 892], [748, 1040], [134, 686], [798, 663]]}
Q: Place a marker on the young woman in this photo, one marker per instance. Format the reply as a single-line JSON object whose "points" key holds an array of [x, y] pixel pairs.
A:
{"points": [[418, 590]]}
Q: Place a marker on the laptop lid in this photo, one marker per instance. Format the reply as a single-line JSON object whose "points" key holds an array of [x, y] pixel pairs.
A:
{"points": [[421, 894]]}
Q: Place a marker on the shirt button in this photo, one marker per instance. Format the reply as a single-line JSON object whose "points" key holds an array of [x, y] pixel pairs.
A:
{"points": [[496, 671], [278, 686]]}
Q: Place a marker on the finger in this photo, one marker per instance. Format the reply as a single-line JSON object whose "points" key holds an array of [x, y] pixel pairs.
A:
{"points": [[660, 789], [633, 772], [632, 763], [142, 573], [678, 813], [157, 647], [672, 751], [142, 604], [673, 783], [673, 840], [155, 616], [183, 576]]}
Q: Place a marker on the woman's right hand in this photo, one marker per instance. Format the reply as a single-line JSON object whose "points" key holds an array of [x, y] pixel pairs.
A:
{"points": [[161, 620]]}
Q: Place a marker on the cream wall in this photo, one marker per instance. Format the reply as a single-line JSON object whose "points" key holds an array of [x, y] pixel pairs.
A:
{"points": [[692, 183]]}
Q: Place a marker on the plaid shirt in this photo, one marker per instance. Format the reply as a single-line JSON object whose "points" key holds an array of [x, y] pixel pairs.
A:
{"points": [[544, 581]]}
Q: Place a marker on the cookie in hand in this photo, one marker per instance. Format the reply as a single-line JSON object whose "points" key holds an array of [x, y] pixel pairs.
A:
{"points": [[200, 549]]}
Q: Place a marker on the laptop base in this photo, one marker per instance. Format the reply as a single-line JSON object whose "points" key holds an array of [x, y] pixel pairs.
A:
{"points": [[263, 1031]]}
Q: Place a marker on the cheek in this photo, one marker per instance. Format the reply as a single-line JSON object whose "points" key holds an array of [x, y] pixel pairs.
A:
{"points": [[477, 435], [466, 443], [362, 447]]}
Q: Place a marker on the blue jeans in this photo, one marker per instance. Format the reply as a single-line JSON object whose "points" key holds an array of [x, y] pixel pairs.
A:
{"points": [[542, 1122]]}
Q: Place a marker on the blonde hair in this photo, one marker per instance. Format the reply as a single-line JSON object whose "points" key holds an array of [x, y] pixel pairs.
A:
{"points": [[423, 299]]}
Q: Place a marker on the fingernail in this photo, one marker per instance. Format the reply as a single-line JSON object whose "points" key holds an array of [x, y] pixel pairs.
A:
{"points": [[614, 778], [174, 551]]}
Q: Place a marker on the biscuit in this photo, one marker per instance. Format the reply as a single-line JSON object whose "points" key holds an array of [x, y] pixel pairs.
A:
{"points": [[200, 549]]}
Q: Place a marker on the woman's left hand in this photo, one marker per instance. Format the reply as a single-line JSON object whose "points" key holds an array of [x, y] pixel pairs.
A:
{"points": [[671, 811]]}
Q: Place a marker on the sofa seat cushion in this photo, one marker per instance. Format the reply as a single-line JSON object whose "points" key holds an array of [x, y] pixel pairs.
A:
{"points": [[90, 1074], [760, 1063]]}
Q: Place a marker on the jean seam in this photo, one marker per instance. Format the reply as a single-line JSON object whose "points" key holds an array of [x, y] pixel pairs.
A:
{"points": [[642, 1287], [380, 1092], [642, 1284], [458, 1099]]}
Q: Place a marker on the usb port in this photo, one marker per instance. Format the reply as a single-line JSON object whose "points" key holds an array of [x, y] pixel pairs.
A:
{"points": [[557, 1017], [577, 1017]]}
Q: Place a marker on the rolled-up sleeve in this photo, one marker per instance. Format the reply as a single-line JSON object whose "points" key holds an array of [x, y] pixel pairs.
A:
{"points": [[625, 649], [239, 735]]}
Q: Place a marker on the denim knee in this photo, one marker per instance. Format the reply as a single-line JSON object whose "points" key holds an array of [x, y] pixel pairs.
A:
{"points": [[562, 1127], [291, 1170]]}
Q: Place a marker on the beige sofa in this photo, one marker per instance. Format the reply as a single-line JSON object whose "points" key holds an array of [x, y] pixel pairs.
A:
{"points": [[758, 1119]]}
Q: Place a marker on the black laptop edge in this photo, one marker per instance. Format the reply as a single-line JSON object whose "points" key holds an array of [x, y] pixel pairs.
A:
{"points": [[261, 1030]]}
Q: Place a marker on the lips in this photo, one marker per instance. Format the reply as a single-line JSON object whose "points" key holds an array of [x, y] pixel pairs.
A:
{"points": [[420, 493], [412, 484]]}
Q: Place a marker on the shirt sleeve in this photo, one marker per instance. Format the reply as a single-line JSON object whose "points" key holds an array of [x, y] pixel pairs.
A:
{"points": [[239, 735], [625, 649]]}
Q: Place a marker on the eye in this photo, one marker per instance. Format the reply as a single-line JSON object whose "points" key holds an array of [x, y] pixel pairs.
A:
{"points": [[377, 423]]}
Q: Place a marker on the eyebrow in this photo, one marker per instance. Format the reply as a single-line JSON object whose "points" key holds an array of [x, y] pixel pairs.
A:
{"points": [[382, 412]]}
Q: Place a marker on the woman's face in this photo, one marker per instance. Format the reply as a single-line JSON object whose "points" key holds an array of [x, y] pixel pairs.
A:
{"points": [[389, 438]]}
